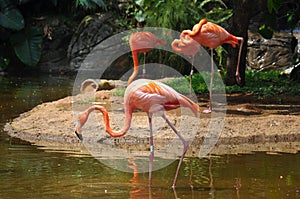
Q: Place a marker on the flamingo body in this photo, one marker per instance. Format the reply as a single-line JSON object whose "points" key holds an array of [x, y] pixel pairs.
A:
{"points": [[141, 42], [189, 49], [153, 96], [212, 35]]}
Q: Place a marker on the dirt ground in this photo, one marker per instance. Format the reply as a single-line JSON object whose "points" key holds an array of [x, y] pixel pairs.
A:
{"points": [[249, 125]]}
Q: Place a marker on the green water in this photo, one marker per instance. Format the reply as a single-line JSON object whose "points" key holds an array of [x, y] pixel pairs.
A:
{"points": [[28, 171]]}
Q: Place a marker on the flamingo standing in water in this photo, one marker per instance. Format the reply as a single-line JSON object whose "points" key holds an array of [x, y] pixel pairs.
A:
{"points": [[152, 97], [141, 42], [212, 35], [188, 49]]}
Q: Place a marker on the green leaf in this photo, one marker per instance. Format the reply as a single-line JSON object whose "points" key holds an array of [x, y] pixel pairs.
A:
{"points": [[220, 51], [90, 4], [265, 32], [139, 2], [27, 45], [12, 19], [100, 3], [274, 5], [140, 16], [203, 3], [217, 14]]}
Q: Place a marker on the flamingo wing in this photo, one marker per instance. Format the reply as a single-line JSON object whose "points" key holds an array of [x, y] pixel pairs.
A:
{"points": [[210, 35], [185, 47], [149, 95], [215, 35]]}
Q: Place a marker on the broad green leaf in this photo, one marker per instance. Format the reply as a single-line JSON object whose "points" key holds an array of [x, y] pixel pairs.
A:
{"points": [[27, 45], [12, 19], [274, 5], [90, 4], [203, 3], [100, 3]]}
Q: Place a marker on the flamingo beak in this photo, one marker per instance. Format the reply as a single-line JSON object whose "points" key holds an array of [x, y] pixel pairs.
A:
{"points": [[77, 131], [79, 135]]}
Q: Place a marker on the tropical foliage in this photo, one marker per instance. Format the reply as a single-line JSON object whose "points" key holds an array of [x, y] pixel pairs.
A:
{"points": [[180, 14], [287, 10], [26, 39], [260, 84]]}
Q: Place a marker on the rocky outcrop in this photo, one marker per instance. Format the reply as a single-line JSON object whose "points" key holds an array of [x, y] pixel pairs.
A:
{"points": [[69, 43], [70, 46], [270, 54], [90, 32], [57, 36]]}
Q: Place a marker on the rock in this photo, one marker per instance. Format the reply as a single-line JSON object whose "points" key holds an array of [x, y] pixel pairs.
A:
{"points": [[58, 33], [295, 73], [93, 85], [107, 60], [67, 44], [90, 32], [89, 85], [269, 54]]}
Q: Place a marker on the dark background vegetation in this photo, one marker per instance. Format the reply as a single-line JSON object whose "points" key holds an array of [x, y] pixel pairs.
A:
{"points": [[22, 35]]}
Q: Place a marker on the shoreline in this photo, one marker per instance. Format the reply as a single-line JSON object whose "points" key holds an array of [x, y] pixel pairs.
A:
{"points": [[249, 127]]}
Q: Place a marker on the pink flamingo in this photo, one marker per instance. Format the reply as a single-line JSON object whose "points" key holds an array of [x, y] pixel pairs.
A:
{"points": [[188, 49], [212, 35], [151, 97], [141, 42]]}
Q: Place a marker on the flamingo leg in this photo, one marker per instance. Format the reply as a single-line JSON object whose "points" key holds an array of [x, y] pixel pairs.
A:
{"points": [[144, 66], [237, 73], [191, 74], [185, 147], [151, 156], [212, 72]]}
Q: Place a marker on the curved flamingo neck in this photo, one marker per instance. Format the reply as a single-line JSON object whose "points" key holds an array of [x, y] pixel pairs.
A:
{"points": [[123, 131], [135, 58], [196, 29], [135, 66]]}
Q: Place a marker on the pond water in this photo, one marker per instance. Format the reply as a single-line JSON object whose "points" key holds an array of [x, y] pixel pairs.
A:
{"points": [[28, 171]]}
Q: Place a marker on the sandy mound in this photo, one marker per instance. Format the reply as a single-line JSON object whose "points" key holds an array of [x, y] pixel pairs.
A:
{"points": [[248, 126]]}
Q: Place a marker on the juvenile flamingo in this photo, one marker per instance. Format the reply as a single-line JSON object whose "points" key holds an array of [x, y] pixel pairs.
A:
{"points": [[141, 42], [152, 97], [212, 35], [188, 49]]}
